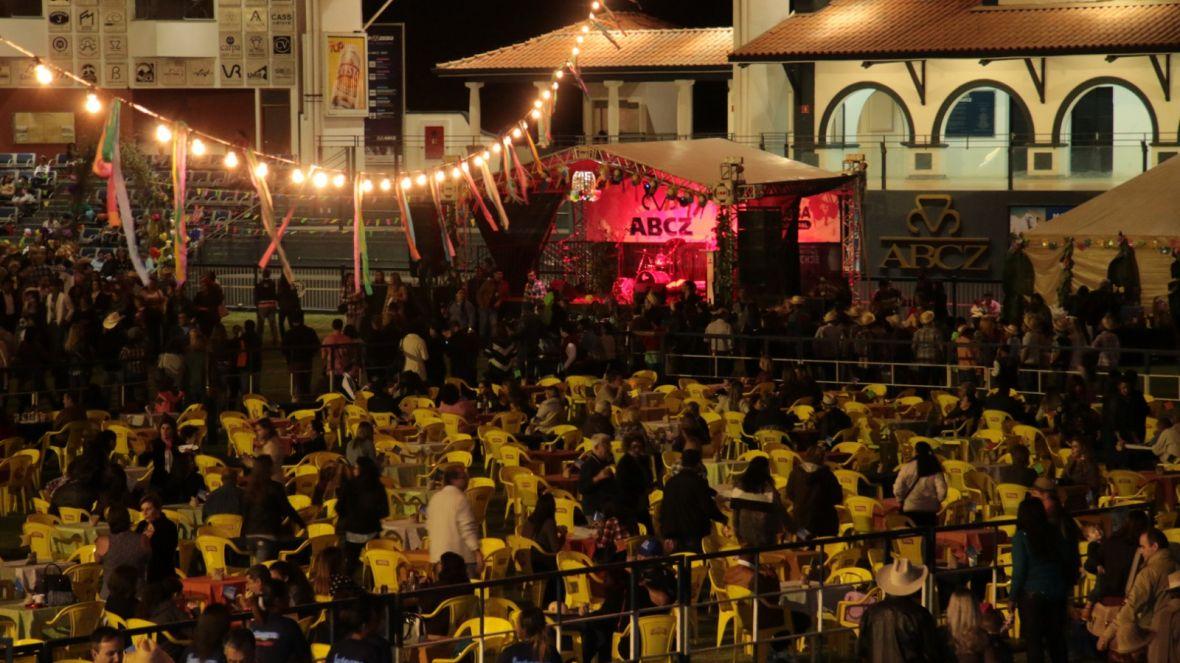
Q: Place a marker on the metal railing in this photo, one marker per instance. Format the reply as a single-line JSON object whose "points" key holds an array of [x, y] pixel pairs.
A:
{"points": [[687, 606]]}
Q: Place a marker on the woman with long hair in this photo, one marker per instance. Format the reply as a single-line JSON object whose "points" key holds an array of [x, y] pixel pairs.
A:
{"points": [[329, 579], [965, 636], [361, 506], [758, 512], [265, 507], [212, 627], [533, 643], [1039, 587], [361, 445], [299, 590], [921, 487]]}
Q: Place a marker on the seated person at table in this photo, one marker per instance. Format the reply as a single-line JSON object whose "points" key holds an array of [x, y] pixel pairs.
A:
{"points": [[360, 623], [541, 526], [267, 442], [692, 424], [966, 411], [814, 493], [599, 421], [107, 477], [451, 581], [596, 479], [208, 638], [361, 445], [451, 401], [299, 589], [255, 576], [487, 400], [71, 411], [616, 391], [766, 414], [1002, 399], [550, 414], [163, 602], [830, 419], [106, 645], [329, 576], [1081, 469], [277, 638], [264, 508], [166, 443], [759, 516], [381, 401], [657, 588], [76, 491], [227, 499], [163, 537], [1018, 472], [771, 615], [122, 591], [533, 643], [683, 527]]}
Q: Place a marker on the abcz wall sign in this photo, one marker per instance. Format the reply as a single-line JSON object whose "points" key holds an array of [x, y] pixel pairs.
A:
{"points": [[934, 240]]}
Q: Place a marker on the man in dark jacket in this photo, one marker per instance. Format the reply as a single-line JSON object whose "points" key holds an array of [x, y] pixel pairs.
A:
{"points": [[596, 481], [814, 493], [689, 505], [164, 539], [300, 346], [898, 629], [226, 499]]}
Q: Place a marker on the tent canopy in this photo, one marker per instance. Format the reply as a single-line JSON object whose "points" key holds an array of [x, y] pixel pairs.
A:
{"points": [[699, 162], [1145, 207]]}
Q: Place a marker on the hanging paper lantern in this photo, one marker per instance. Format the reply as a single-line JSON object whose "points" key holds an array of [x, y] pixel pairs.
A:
{"points": [[635, 179]]}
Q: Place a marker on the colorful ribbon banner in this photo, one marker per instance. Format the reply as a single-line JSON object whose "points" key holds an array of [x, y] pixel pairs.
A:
{"points": [[107, 165], [448, 247], [403, 206], [360, 245], [267, 212], [487, 215], [489, 184], [179, 194]]}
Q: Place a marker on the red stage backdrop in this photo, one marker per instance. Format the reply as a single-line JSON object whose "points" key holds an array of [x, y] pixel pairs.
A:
{"points": [[624, 213]]}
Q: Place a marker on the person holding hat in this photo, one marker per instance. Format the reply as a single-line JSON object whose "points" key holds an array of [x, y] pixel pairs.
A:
{"points": [[1165, 625], [899, 628]]}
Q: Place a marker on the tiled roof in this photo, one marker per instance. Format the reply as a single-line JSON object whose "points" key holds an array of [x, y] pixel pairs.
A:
{"points": [[649, 43], [927, 28]]}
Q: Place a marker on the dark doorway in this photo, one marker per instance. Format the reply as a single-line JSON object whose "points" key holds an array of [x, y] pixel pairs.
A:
{"points": [[1021, 135], [1091, 134]]}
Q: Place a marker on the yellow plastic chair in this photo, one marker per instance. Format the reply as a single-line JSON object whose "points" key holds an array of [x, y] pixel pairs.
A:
{"points": [[320, 651], [492, 633], [14, 484], [384, 568], [657, 634], [242, 443], [86, 580], [39, 537], [577, 587], [1010, 496], [228, 522], [212, 549], [565, 513], [861, 509], [527, 488], [850, 481], [995, 419], [82, 554], [479, 496], [73, 621], [72, 516]]}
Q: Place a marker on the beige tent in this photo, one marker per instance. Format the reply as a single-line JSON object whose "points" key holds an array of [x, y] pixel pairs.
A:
{"points": [[1145, 209]]}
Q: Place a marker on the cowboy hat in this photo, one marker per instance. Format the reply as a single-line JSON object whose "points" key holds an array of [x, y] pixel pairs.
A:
{"points": [[797, 300], [901, 578], [976, 312], [926, 318], [1044, 484], [867, 319], [1108, 323], [112, 320], [830, 316]]}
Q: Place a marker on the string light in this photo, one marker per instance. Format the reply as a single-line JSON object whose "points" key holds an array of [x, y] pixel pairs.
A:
{"points": [[508, 139], [198, 147], [297, 176], [516, 132], [496, 148], [406, 183], [163, 133], [580, 39], [367, 186], [536, 113], [338, 180], [43, 74], [420, 180], [261, 170], [231, 160], [545, 94], [386, 185], [439, 176], [320, 179], [585, 29], [456, 173], [575, 50], [93, 105], [559, 74]]}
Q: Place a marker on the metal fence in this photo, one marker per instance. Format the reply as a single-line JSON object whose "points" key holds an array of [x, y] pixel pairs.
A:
{"points": [[819, 597]]}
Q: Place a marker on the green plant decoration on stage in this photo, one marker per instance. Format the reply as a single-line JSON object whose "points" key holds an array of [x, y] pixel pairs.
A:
{"points": [[1019, 278], [724, 263], [1065, 288]]}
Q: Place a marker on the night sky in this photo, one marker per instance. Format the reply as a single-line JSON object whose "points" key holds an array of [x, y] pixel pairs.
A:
{"points": [[441, 30]]}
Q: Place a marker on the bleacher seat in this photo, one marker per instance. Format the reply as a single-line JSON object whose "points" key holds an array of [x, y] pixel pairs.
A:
{"points": [[26, 159], [7, 159]]}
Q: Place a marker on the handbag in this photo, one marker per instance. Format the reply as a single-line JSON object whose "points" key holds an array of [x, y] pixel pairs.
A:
{"points": [[56, 587], [1103, 613]]}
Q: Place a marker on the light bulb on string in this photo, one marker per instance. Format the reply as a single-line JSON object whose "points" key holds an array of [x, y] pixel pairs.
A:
{"points": [[43, 74], [487, 156], [163, 133], [559, 74], [338, 180], [464, 166], [93, 105], [320, 179], [516, 133], [231, 160], [580, 39], [297, 176], [367, 186], [407, 183], [555, 85], [575, 50], [536, 114], [197, 147], [585, 29], [595, 6], [545, 94], [508, 139], [420, 180], [439, 176], [478, 161], [496, 148], [261, 170], [456, 173], [386, 185]]}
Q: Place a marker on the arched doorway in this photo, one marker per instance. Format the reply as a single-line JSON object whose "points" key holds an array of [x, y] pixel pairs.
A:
{"points": [[986, 128], [869, 119], [1105, 122]]}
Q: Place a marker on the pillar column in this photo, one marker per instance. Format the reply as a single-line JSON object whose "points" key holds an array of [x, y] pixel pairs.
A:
{"points": [[544, 126], [684, 109], [474, 117], [588, 118], [612, 109], [729, 116]]}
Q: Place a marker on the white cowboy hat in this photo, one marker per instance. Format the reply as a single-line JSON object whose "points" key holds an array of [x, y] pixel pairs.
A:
{"points": [[901, 578], [112, 320]]}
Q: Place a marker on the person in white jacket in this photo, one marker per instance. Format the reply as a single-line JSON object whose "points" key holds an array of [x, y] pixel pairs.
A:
{"points": [[451, 523], [920, 487]]}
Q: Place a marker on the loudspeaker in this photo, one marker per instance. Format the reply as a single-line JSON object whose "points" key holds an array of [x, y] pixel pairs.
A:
{"points": [[760, 244]]}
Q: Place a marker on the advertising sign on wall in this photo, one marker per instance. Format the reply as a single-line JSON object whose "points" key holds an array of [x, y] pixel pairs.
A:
{"points": [[627, 213], [819, 219], [346, 80], [386, 77]]}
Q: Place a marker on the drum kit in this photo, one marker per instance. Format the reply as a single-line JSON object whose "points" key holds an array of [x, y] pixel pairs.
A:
{"points": [[656, 269]]}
